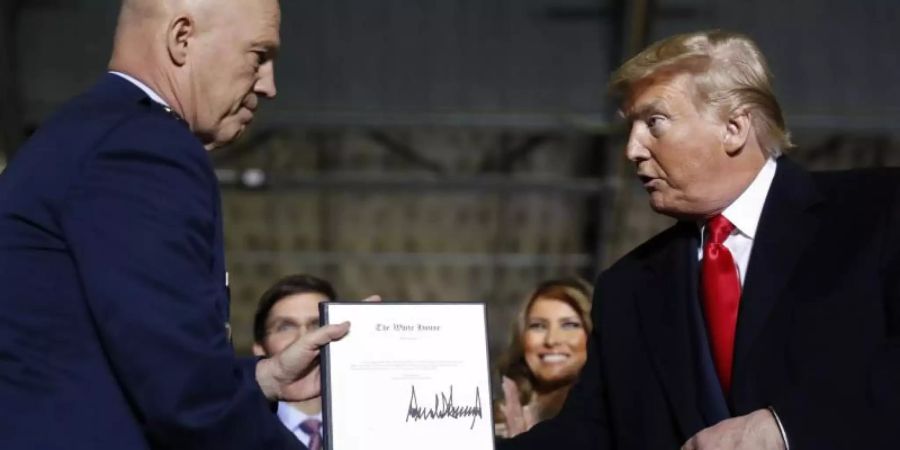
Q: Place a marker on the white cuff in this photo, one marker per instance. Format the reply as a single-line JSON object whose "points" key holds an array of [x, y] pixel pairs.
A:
{"points": [[784, 437]]}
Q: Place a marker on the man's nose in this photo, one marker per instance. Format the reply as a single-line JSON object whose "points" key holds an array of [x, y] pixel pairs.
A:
{"points": [[634, 150], [265, 85]]}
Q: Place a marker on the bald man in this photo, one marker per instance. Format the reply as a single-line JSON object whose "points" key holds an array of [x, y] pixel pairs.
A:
{"points": [[113, 299]]}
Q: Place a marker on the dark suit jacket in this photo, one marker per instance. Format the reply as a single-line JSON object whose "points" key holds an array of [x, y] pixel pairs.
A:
{"points": [[112, 291], [818, 333]]}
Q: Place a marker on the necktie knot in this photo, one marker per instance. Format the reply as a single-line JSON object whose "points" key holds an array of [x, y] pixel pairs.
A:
{"points": [[311, 428], [719, 228]]}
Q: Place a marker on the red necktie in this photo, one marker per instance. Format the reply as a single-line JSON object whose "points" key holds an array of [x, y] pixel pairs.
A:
{"points": [[311, 428], [721, 296]]}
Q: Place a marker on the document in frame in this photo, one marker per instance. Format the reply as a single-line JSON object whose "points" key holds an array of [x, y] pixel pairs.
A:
{"points": [[407, 376]]}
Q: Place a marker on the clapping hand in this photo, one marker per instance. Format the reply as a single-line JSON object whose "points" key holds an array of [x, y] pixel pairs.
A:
{"points": [[519, 419]]}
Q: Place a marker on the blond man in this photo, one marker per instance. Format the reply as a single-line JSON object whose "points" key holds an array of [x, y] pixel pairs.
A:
{"points": [[768, 317]]}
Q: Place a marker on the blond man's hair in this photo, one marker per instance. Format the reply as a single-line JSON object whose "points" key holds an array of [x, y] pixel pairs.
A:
{"points": [[729, 74]]}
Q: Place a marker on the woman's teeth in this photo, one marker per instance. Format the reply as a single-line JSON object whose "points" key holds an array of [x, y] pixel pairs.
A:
{"points": [[554, 358]]}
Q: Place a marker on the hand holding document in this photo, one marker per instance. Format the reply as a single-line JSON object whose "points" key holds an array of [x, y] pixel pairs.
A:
{"points": [[293, 374], [408, 376]]}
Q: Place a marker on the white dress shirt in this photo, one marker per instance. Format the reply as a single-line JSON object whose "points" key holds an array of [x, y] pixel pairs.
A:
{"points": [[744, 214], [150, 93], [292, 418]]}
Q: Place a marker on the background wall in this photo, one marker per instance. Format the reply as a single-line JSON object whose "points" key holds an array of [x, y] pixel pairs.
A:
{"points": [[465, 149]]}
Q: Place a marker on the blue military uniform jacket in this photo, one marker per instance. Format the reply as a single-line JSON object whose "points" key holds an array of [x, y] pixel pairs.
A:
{"points": [[112, 292]]}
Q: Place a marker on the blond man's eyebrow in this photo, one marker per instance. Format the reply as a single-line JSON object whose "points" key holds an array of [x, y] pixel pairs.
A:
{"points": [[645, 110]]}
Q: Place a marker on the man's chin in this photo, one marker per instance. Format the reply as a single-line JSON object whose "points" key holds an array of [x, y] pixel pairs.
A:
{"points": [[677, 213], [660, 206], [226, 137], [657, 204]]}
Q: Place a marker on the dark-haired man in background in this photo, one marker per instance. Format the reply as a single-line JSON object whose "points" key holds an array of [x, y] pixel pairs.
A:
{"points": [[286, 311]]}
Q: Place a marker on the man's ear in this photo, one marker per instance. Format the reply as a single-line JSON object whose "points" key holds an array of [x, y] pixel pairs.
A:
{"points": [[179, 33], [258, 350], [737, 131]]}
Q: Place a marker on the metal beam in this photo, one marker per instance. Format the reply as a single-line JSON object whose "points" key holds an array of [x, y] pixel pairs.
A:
{"points": [[369, 182], [416, 259], [592, 122], [11, 124]]}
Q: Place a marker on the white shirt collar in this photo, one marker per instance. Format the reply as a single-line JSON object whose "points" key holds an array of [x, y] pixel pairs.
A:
{"points": [[745, 212], [150, 93], [292, 417]]}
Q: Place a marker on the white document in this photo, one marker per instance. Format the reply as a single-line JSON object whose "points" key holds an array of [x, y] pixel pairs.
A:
{"points": [[408, 376]]}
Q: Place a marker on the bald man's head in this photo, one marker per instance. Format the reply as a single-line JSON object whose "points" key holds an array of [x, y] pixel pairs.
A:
{"points": [[142, 17], [133, 9], [209, 59]]}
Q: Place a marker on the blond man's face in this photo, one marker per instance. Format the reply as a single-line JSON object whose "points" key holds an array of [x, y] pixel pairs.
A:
{"points": [[677, 150]]}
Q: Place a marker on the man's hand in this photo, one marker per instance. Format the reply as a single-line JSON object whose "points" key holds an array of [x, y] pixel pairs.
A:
{"points": [[755, 431], [293, 374]]}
